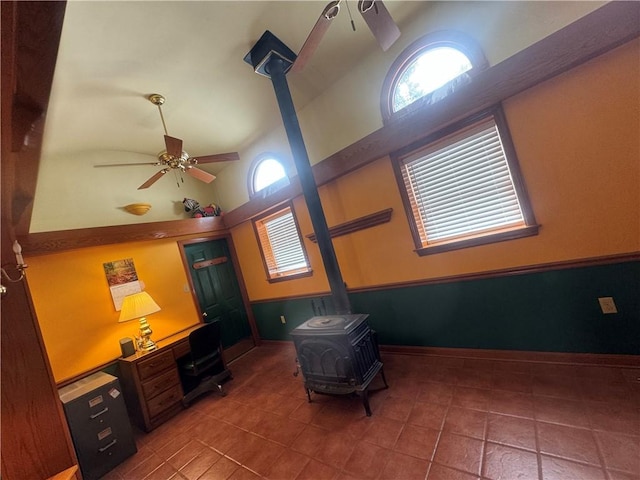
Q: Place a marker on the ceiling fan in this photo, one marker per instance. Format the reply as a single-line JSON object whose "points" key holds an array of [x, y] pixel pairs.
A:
{"points": [[375, 14], [174, 158]]}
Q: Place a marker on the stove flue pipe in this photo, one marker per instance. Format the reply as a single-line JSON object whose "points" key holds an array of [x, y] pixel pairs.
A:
{"points": [[271, 58]]}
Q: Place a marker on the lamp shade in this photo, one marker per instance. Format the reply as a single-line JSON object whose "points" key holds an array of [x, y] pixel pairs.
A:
{"points": [[136, 306]]}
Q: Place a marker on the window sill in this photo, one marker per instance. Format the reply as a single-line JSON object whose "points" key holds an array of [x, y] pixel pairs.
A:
{"points": [[529, 231], [293, 276]]}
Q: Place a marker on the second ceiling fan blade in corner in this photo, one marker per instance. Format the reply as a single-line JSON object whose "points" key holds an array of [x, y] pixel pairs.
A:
{"points": [[317, 32], [200, 174], [380, 22]]}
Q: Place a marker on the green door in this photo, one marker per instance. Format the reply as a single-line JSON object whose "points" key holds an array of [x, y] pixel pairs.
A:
{"points": [[217, 289]]}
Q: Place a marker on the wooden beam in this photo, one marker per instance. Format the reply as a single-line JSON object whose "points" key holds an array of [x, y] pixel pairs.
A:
{"points": [[51, 242]]}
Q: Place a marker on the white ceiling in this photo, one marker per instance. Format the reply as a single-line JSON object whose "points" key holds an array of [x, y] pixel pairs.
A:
{"points": [[114, 54]]}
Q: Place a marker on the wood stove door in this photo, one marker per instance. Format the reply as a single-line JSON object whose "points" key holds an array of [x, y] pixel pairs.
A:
{"points": [[218, 291]]}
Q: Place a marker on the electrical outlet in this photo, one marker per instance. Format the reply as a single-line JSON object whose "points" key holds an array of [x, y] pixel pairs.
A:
{"points": [[607, 305], [282, 319]]}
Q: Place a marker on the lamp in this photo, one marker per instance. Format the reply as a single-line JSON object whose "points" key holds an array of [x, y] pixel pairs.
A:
{"points": [[20, 268], [139, 305]]}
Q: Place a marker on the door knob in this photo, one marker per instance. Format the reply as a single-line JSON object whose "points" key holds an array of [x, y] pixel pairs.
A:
{"points": [[204, 315]]}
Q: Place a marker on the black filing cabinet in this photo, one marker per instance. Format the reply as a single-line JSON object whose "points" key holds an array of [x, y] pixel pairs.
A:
{"points": [[99, 425]]}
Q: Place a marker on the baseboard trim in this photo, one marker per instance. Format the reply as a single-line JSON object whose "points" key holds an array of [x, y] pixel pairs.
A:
{"points": [[565, 358]]}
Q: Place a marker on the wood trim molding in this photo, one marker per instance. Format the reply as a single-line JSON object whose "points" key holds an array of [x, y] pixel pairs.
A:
{"points": [[594, 34], [52, 242], [360, 223], [539, 268], [598, 359], [581, 359]]}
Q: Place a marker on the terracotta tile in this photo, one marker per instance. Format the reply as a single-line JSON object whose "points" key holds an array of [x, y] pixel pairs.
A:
{"points": [[396, 408], [279, 429], [366, 461], [433, 392], [620, 452], [352, 421], [428, 415], [561, 411], [383, 431], [221, 470], [568, 442], [335, 449], [163, 472], [462, 453], [512, 382], [473, 398], [244, 474], [597, 372], [556, 386], [512, 403], [404, 467], [305, 411], [598, 390], [171, 448], [440, 472], [616, 475], [559, 469], [144, 468], [256, 453], [466, 422], [512, 366], [512, 431], [315, 470], [287, 466], [187, 453], [506, 463], [200, 464], [477, 378], [544, 369], [614, 417], [417, 441], [310, 440], [479, 364]]}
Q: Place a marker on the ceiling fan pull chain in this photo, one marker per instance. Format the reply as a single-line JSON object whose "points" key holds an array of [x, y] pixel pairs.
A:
{"points": [[353, 25]]}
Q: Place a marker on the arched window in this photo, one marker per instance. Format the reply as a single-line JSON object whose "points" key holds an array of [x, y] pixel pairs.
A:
{"points": [[266, 175], [428, 70]]}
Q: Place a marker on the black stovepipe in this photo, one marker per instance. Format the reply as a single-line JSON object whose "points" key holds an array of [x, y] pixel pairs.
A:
{"points": [[276, 70]]}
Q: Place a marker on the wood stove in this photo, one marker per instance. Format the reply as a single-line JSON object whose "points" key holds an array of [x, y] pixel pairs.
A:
{"points": [[338, 354]]}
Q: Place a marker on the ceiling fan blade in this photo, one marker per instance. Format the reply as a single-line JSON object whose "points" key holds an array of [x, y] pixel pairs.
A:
{"points": [[126, 164], [379, 22], [174, 146], [317, 32], [153, 179], [218, 157], [200, 174]]}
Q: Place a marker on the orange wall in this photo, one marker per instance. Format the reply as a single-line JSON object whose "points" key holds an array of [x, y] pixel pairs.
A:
{"points": [[577, 139], [76, 313]]}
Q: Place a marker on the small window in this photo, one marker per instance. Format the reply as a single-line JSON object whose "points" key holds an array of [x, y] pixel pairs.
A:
{"points": [[430, 69], [281, 246], [463, 188], [266, 175]]}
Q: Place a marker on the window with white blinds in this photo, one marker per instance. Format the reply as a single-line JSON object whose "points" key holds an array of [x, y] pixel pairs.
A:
{"points": [[282, 249], [462, 187]]}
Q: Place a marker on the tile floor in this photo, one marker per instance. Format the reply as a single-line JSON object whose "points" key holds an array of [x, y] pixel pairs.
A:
{"points": [[441, 418]]}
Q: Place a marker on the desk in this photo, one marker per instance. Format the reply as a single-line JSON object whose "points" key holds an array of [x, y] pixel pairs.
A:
{"points": [[151, 382]]}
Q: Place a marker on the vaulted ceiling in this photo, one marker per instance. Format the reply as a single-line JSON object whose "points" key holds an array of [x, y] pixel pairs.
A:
{"points": [[114, 54]]}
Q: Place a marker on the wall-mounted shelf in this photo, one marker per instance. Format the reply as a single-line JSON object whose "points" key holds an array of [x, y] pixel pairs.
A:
{"points": [[360, 223]]}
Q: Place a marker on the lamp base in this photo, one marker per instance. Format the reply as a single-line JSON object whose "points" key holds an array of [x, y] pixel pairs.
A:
{"points": [[147, 345]]}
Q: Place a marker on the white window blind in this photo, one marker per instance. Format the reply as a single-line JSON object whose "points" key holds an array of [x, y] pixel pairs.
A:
{"points": [[462, 187], [281, 244]]}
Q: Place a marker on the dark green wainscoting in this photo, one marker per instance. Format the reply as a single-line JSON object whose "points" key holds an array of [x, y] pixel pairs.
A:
{"points": [[550, 311]]}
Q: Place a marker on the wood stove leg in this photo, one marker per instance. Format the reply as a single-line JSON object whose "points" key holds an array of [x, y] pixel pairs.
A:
{"points": [[384, 379], [308, 394], [365, 401]]}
